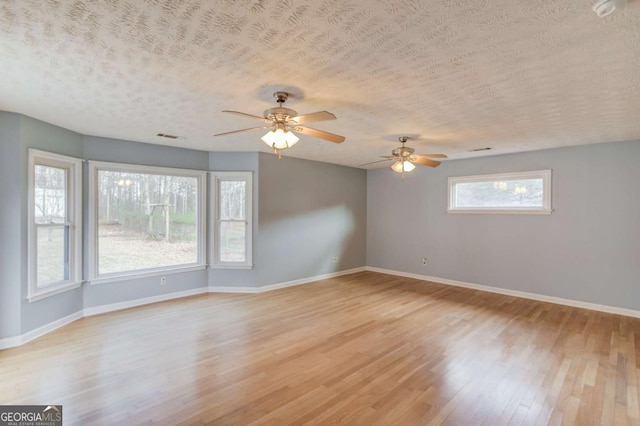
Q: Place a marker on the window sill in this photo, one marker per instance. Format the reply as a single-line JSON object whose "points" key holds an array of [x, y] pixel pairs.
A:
{"points": [[44, 293], [224, 266], [147, 274]]}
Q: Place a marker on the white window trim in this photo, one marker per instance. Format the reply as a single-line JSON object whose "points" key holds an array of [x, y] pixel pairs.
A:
{"points": [[94, 167], [214, 261], [545, 175], [74, 217]]}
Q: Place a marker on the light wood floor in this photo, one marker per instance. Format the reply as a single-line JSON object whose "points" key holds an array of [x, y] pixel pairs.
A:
{"points": [[363, 349]]}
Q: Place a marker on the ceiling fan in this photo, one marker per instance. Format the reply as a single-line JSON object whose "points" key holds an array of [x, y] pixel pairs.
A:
{"points": [[284, 122], [405, 158]]}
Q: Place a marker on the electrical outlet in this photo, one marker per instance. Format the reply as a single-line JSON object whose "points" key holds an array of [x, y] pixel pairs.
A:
{"points": [[424, 260], [163, 280], [335, 259]]}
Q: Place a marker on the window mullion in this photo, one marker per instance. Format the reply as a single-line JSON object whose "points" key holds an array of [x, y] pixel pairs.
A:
{"points": [[53, 225]]}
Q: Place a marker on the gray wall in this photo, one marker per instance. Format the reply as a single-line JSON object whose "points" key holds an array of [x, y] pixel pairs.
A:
{"points": [[309, 213], [11, 239], [587, 250], [305, 213], [120, 151]]}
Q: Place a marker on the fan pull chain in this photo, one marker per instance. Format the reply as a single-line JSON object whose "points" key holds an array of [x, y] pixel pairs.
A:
{"points": [[276, 152]]}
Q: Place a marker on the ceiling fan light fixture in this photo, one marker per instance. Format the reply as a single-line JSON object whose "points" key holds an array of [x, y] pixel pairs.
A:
{"points": [[280, 139], [402, 166]]}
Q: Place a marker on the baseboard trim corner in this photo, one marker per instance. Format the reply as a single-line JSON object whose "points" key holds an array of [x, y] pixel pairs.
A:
{"points": [[515, 293]]}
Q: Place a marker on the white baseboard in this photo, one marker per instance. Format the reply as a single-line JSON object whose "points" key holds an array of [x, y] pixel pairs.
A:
{"points": [[286, 284], [277, 286], [231, 289], [516, 293], [38, 332], [11, 342], [102, 309]]}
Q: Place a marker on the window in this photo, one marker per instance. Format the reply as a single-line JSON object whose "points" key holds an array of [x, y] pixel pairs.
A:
{"points": [[55, 224], [524, 193], [144, 220], [232, 212]]}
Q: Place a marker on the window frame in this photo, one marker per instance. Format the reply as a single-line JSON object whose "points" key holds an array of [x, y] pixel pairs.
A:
{"points": [[545, 175], [93, 276], [73, 222], [216, 177]]}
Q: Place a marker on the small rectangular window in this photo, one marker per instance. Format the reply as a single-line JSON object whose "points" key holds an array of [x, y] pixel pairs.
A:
{"points": [[232, 220], [55, 223], [145, 220], [515, 193]]}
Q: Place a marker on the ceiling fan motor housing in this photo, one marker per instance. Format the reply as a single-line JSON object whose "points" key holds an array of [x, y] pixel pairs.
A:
{"points": [[403, 152], [279, 113]]}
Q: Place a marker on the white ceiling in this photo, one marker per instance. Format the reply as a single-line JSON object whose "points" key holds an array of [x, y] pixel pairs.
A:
{"points": [[455, 74]]}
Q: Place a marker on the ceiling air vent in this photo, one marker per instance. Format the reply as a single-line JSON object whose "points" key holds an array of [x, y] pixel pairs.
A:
{"points": [[480, 149], [165, 135]]}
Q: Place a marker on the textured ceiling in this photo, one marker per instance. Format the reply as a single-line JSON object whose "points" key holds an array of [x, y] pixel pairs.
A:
{"points": [[455, 74]]}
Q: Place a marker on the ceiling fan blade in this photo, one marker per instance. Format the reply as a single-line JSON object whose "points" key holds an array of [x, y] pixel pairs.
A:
{"points": [[321, 134], [431, 155], [424, 161], [243, 114], [242, 130], [313, 117], [374, 162]]}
